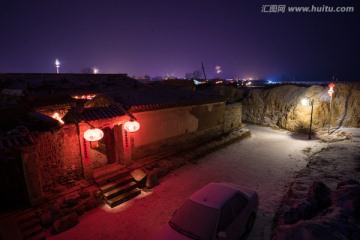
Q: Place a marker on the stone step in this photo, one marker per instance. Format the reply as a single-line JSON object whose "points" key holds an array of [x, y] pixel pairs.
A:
{"points": [[9, 229], [113, 202], [26, 215], [119, 190], [29, 223], [39, 236], [104, 179], [116, 183], [31, 232]]}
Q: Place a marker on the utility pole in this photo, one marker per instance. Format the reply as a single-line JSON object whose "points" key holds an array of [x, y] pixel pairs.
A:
{"points": [[202, 65]]}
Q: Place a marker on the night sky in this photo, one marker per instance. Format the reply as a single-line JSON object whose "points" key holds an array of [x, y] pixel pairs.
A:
{"points": [[159, 37]]}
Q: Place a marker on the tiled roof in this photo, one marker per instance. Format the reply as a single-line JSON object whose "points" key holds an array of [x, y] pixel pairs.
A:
{"points": [[16, 141], [157, 98], [94, 113], [136, 100], [44, 118]]}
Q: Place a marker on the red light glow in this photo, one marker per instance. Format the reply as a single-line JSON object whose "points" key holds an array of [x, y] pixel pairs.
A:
{"points": [[132, 126], [93, 134]]}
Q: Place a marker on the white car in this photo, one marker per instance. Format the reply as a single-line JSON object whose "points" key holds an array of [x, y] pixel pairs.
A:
{"points": [[216, 211]]}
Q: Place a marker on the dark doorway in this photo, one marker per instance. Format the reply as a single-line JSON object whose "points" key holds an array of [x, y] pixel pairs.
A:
{"points": [[110, 144], [13, 193]]}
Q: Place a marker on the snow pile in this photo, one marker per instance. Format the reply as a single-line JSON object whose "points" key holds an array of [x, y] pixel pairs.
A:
{"points": [[322, 203], [312, 220]]}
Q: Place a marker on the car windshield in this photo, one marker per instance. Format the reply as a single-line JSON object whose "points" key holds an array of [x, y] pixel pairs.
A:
{"points": [[195, 220]]}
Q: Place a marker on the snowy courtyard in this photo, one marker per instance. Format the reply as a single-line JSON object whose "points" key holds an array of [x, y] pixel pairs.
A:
{"points": [[267, 161]]}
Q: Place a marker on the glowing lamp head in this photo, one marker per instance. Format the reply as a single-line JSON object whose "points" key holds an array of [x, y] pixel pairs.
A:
{"points": [[131, 126], [305, 102], [93, 134], [331, 89]]}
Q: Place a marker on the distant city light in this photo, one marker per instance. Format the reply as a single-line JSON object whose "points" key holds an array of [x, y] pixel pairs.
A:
{"points": [[57, 64], [218, 69], [95, 70], [88, 96]]}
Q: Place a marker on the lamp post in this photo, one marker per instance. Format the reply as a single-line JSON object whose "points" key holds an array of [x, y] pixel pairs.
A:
{"points": [[330, 92], [309, 102]]}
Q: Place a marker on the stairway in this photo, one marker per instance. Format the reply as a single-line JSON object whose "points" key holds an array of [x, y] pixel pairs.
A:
{"points": [[29, 225], [116, 185]]}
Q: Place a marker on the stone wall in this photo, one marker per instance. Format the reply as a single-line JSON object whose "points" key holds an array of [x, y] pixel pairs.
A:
{"points": [[281, 106], [71, 156], [32, 173], [232, 118], [58, 160], [175, 129]]}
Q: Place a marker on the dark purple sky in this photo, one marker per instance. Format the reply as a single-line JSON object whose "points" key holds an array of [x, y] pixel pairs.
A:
{"points": [[159, 37]]}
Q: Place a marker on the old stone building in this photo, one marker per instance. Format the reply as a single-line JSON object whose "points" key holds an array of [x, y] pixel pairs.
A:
{"points": [[54, 156]]}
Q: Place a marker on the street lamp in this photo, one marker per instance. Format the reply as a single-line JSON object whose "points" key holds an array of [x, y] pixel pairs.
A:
{"points": [[309, 102], [330, 92]]}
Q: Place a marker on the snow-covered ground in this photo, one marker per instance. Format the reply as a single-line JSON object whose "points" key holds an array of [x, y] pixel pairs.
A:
{"points": [[267, 162], [337, 165]]}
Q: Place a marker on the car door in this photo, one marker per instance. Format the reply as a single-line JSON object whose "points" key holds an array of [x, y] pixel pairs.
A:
{"points": [[225, 226], [241, 214], [233, 218]]}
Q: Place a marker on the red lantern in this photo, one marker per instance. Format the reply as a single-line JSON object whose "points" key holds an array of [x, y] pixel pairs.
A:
{"points": [[132, 126], [331, 90], [93, 134]]}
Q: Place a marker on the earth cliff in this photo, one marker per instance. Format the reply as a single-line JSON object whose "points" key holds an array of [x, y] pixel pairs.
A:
{"points": [[281, 107]]}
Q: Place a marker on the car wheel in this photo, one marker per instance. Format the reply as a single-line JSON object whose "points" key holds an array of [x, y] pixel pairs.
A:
{"points": [[250, 223]]}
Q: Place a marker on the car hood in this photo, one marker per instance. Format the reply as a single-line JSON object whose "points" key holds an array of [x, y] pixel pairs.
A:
{"points": [[168, 233]]}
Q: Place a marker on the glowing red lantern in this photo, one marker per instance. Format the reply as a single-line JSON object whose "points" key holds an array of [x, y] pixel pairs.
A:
{"points": [[132, 126], [93, 134], [331, 90]]}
